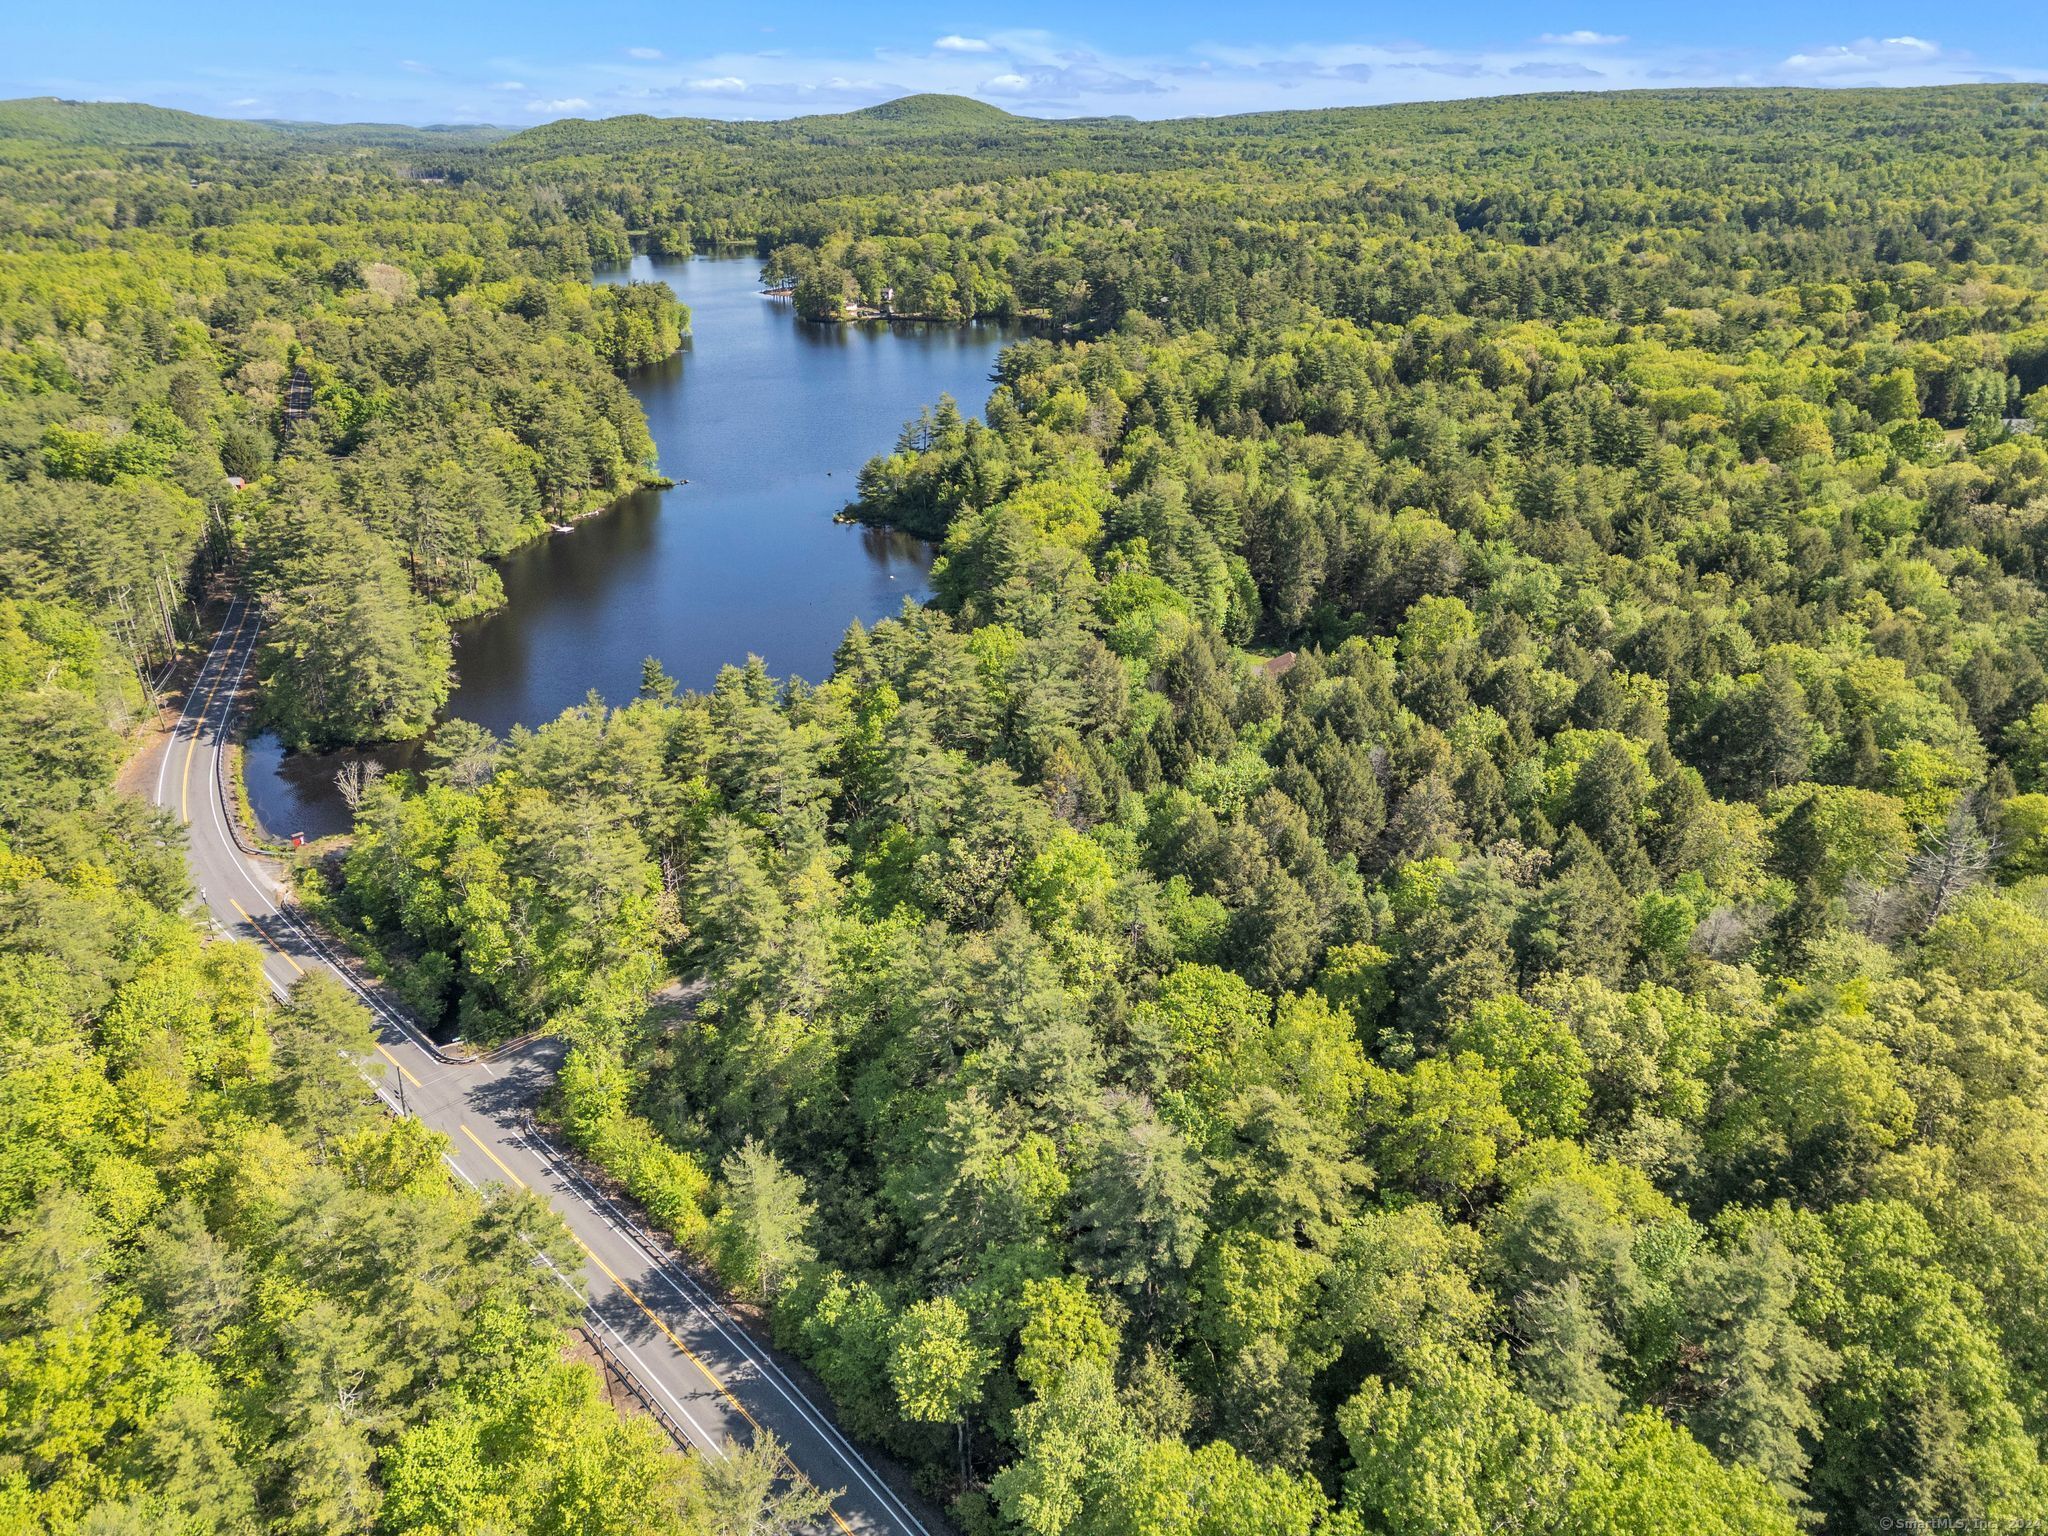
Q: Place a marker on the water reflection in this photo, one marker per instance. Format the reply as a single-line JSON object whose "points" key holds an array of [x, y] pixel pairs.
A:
{"points": [[767, 419], [294, 793]]}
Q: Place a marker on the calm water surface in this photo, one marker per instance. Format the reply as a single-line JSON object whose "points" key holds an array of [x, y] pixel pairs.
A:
{"points": [[768, 419]]}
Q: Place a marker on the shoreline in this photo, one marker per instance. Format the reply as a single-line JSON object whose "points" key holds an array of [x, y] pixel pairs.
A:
{"points": [[862, 314], [303, 774]]}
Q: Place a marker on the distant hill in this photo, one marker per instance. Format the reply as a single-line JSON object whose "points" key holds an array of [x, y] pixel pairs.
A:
{"points": [[635, 130], [389, 135], [930, 110], [908, 118], [124, 124], [132, 125]]}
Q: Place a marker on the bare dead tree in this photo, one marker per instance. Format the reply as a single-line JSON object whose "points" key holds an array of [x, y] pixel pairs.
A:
{"points": [[355, 778], [1884, 913], [1725, 933], [1953, 861]]}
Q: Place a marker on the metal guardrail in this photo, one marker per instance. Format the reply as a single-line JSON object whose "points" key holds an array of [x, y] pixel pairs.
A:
{"points": [[635, 1387], [230, 806], [665, 1251], [626, 1210], [614, 1363], [663, 1247], [334, 951]]}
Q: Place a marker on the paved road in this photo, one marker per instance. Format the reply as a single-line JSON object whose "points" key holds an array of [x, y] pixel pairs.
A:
{"points": [[713, 1381]]}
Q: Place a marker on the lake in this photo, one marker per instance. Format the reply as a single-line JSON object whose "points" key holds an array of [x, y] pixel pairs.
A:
{"points": [[768, 419]]}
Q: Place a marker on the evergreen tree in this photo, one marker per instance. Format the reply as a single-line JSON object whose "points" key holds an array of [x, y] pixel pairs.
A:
{"points": [[1750, 1371], [758, 1234]]}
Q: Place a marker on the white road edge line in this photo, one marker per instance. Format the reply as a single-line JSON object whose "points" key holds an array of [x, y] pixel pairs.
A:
{"points": [[707, 1443], [258, 888], [710, 1446], [192, 696], [695, 1298], [768, 1371]]}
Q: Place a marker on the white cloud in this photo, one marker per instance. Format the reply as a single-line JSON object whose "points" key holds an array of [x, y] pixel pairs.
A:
{"points": [[1868, 58], [414, 67], [1045, 73], [643, 53]]}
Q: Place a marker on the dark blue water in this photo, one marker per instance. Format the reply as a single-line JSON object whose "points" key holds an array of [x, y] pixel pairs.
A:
{"points": [[768, 419]]}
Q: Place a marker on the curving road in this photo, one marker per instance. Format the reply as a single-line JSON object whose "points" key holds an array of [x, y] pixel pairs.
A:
{"points": [[709, 1379]]}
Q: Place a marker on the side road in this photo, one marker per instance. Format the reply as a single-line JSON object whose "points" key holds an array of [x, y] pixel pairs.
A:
{"points": [[710, 1379]]}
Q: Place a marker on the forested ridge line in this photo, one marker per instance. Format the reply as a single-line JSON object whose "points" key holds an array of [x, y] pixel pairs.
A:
{"points": [[1441, 927]]}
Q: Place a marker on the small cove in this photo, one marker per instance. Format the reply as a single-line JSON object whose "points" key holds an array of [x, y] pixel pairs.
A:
{"points": [[768, 420]]}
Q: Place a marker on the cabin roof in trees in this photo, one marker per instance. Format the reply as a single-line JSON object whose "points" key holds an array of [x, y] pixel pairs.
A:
{"points": [[1281, 665]]}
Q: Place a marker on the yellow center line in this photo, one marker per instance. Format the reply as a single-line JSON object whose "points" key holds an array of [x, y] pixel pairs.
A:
{"points": [[184, 793], [199, 720], [288, 960], [487, 1152], [666, 1332], [691, 1355], [402, 1072]]}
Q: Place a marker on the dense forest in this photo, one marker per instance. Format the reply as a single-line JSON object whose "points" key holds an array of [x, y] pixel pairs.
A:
{"points": [[235, 1295], [462, 382], [1443, 927]]}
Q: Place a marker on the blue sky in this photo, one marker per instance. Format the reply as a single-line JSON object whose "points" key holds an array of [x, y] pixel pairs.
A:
{"points": [[520, 62]]}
